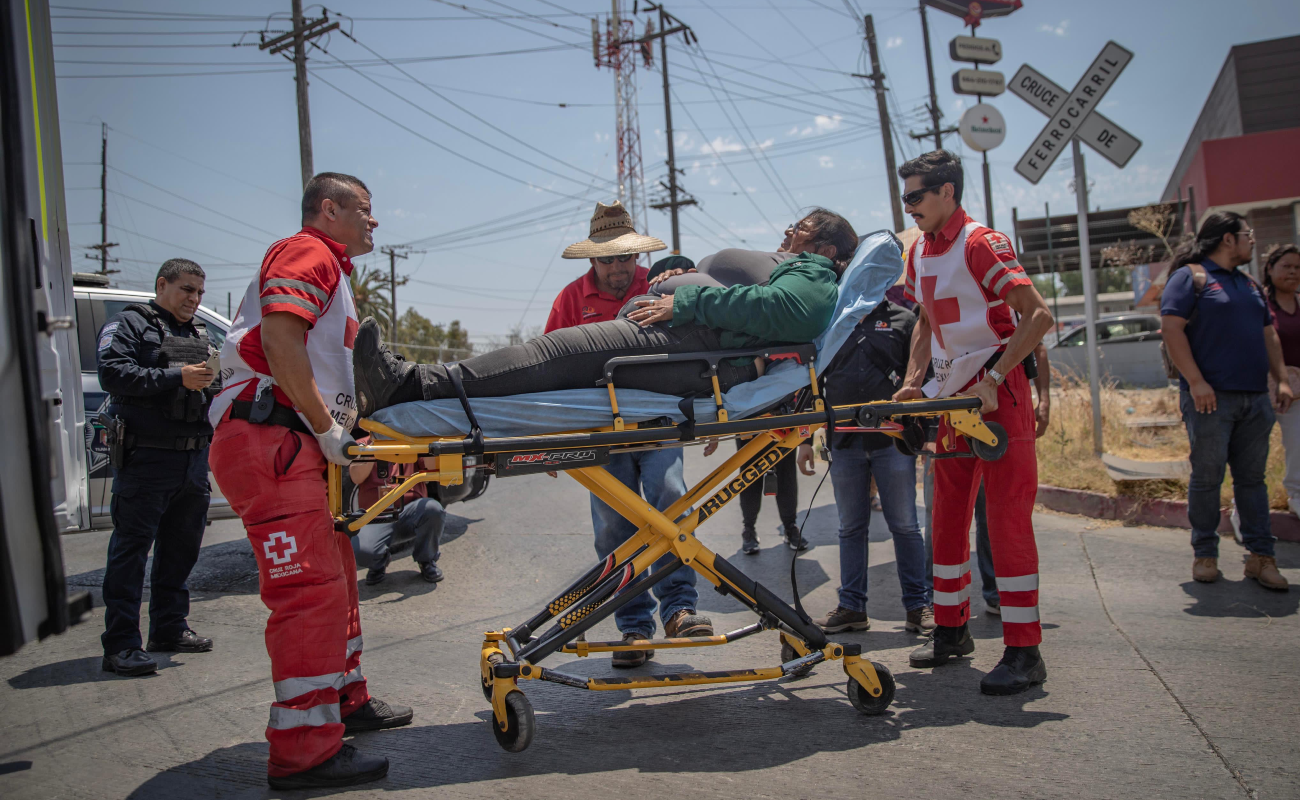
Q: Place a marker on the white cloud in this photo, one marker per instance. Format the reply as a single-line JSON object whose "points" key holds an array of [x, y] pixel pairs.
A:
{"points": [[714, 181], [721, 145], [893, 41], [1059, 29], [821, 124], [400, 213], [825, 162]]}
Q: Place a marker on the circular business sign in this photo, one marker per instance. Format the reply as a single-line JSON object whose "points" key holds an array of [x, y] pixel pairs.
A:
{"points": [[982, 127]]}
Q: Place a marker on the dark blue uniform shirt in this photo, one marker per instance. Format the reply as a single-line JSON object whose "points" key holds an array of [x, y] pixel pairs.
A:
{"points": [[128, 367], [1227, 335]]}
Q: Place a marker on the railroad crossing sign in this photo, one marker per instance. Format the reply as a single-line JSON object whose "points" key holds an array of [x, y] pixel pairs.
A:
{"points": [[1073, 115]]}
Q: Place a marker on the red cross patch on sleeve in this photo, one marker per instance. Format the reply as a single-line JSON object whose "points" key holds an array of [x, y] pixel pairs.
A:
{"points": [[997, 242]]}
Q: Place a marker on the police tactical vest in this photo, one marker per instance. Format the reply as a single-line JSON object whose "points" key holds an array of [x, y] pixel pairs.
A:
{"points": [[181, 404]]}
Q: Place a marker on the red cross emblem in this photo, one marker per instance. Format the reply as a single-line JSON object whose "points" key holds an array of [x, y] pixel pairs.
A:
{"points": [[280, 547], [942, 311]]}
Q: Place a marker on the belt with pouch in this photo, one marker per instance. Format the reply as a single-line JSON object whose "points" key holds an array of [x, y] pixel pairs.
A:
{"points": [[280, 415], [131, 440]]}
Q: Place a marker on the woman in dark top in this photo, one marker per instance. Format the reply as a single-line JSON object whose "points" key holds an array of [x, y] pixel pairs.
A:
{"points": [[1281, 282]]}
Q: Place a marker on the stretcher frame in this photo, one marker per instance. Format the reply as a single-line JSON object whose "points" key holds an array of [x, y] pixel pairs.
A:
{"points": [[509, 655]]}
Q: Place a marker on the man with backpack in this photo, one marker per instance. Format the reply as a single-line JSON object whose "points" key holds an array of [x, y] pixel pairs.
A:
{"points": [[1218, 332], [870, 366]]}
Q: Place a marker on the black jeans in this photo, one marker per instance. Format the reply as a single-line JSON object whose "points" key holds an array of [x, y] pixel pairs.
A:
{"points": [[787, 492], [574, 358], [160, 500]]}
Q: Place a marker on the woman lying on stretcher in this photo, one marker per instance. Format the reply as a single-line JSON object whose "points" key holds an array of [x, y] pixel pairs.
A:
{"points": [[795, 306]]}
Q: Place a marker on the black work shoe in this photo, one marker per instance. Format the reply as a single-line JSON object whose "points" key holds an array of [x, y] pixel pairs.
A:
{"points": [[842, 619], [685, 622], [793, 538], [1020, 668], [431, 572], [376, 370], [188, 642], [375, 715], [749, 540], [130, 662], [378, 572], [944, 644], [625, 659], [348, 767]]}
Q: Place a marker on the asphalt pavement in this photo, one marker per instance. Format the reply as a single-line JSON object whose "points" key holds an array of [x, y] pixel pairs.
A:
{"points": [[1157, 686]]}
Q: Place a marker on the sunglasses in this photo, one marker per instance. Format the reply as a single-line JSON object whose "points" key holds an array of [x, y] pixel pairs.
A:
{"points": [[912, 198], [620, 259]]}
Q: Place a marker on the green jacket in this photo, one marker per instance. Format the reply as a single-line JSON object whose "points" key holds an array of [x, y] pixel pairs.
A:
{"points": [[795, 306]]}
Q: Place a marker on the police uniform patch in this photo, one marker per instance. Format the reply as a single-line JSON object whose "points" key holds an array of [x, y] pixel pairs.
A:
{"points": [[998, 242], [106, 335]]}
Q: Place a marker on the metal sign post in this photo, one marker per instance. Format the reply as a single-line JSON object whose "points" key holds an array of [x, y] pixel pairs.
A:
{"points": [[1073, 118]]}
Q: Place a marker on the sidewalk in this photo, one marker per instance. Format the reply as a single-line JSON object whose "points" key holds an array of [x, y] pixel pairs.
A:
{"points": [[1158, 687]]}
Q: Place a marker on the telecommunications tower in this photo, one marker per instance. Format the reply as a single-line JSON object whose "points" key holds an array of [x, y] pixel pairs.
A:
{"points": [[617, 47]]}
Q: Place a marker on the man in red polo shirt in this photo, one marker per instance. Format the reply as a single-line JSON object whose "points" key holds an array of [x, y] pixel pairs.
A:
{"points": [[980, 317], [287, 408], [599, 294]]}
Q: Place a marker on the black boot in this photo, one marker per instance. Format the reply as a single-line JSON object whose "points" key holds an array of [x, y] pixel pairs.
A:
{"points": [[131, 663], [946, 643], [377, 372], [749, 540], [1020, 668], [377, 715], [187, 642], [348, 767]]}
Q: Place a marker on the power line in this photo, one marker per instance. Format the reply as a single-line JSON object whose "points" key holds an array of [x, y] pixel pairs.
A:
{"points": [[185, 217], [191, 202], [189, 160]]}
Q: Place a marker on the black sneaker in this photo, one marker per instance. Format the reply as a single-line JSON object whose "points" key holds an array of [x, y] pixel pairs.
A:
{"points": [[946, 643], [749, 540], [793, 538], [378, 572], [377, 371], [377, 715], [130, 663], [348, 767], [187, 642], [841, 619], [625, 659], [1020, 668], [431, 572]]}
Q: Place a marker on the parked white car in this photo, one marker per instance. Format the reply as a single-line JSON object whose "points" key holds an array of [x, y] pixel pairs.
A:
{"points": [[1128, 351]]}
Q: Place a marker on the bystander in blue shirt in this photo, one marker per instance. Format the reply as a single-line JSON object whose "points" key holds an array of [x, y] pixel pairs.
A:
{"points": [[1227, 336]]}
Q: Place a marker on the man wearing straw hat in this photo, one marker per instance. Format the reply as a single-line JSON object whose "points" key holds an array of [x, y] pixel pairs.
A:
{"points": [[657, 475]]}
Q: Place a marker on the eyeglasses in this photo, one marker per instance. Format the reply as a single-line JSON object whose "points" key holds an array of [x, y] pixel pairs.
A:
{"points": [[620, 259], [1247, 232], [914, 197]]}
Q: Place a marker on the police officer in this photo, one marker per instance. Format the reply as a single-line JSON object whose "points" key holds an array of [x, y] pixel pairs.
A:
{"points": [[154, 363]]}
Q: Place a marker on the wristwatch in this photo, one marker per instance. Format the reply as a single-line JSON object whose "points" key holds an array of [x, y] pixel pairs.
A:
{"points": [[997, 377]]}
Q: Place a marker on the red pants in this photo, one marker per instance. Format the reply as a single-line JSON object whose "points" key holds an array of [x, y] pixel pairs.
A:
{"points": [[1010, 486], [275, 480]]}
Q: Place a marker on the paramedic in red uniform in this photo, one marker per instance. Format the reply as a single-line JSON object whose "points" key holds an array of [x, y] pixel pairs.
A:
{"points": [[287, 408], [972, 290]]}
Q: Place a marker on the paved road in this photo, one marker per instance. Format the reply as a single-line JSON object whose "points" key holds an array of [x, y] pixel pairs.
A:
{"points": [[1158, 687]]}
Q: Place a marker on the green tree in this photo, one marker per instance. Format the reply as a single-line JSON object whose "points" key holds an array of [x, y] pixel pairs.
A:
{"points": [[421, 340], [371, 294], [1108, 279]]}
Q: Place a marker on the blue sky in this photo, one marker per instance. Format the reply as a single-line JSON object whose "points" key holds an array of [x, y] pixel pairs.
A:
{"points": [[203, 136]]}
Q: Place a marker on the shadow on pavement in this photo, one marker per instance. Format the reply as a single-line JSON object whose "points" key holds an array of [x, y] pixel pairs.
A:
{"points": [[1240, 598], [79, 670], [949, 696]]}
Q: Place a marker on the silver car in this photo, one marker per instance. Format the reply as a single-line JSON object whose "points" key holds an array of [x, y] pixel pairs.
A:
{"points": [[1128, 349], [96, 305]]}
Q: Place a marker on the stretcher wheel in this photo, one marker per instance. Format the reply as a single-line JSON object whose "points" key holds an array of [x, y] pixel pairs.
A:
{"points": [[986, 452], [912, 441], [862, 699], [788, 653], [520, 724]]}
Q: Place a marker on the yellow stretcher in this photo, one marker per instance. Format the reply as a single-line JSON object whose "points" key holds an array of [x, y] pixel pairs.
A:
{"points": [[513, 654]]}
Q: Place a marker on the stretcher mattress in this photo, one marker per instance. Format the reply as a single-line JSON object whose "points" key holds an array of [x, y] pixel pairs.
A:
{"points": [[876, 266]]}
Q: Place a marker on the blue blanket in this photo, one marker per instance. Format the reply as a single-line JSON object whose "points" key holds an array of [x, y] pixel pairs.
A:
{"points": [[875, 267]]}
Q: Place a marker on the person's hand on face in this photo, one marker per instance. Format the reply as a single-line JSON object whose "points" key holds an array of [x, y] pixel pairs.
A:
{"points": [[649, 312]]}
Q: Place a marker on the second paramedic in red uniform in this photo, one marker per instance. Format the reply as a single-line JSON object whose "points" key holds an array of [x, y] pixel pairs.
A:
{"points": [[287, 408], [980, 316]]}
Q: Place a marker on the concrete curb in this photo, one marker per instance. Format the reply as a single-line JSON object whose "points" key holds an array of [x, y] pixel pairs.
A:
{"points": [[1159, 513]]}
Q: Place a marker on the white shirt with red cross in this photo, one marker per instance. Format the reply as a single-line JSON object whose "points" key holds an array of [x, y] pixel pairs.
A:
{"points": [[963, 273]]}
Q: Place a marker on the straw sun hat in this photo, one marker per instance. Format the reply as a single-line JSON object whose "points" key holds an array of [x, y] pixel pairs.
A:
{"points": [[612, 234]]}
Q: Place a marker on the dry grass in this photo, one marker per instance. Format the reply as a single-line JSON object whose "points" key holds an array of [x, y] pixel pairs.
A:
{"points": [[1065, 456]]}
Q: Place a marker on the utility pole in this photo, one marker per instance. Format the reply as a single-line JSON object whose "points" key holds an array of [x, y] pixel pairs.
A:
{"points": [[393, 255], [303, 32], [665, 21], [929, 71], [104, 243], [877, 79]]}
